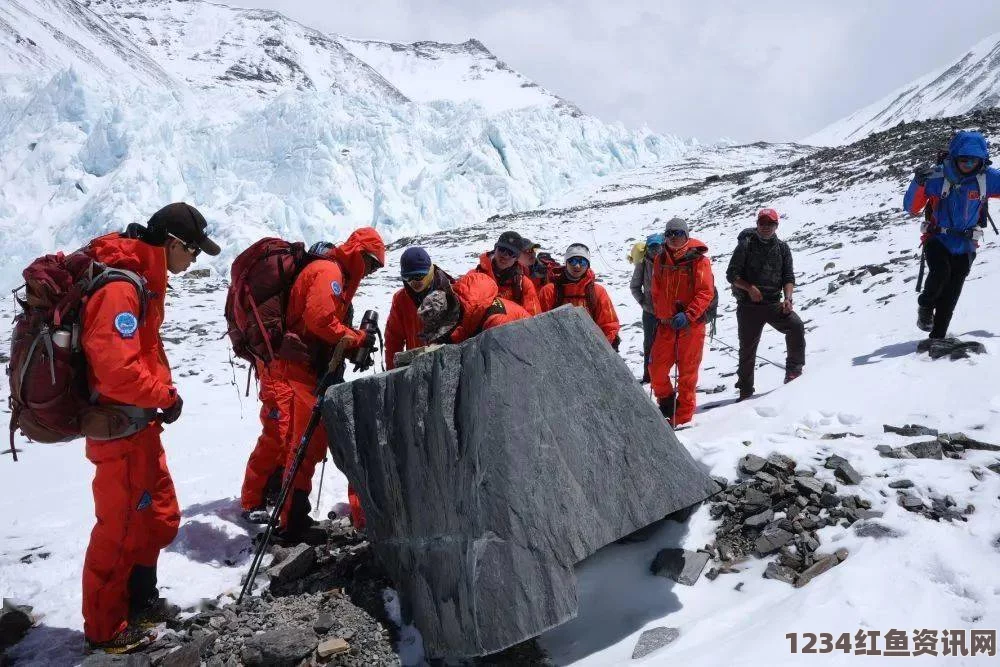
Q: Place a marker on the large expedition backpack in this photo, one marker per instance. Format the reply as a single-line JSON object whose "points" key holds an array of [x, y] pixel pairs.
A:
{"points": [[50, 399], [261, 280]]}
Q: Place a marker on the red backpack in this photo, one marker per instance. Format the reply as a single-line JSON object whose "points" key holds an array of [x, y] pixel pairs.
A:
{"points": [[261, 280], [50, 400]]}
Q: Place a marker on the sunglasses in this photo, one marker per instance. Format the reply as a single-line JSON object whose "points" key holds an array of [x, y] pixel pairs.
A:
{"points": [[675, 233], [764, 222], [414, 277], [578, 261], [190, 247], [505, 251], [967, 161], [374, 260]]}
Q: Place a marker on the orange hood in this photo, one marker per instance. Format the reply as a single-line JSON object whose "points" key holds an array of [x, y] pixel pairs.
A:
{"points": [[350, 256], [149, 261]]}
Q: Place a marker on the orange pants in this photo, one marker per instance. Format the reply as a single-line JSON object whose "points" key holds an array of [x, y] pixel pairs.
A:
{"points": [[302, 386], [684, 349], [270, 452], [137, 516]]}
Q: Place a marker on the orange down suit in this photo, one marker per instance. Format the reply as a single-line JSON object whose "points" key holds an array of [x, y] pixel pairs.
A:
{"points": [[403, 326], [269, 453], [682, 281], [134, 501], [519, 289], [575, 293], [317, 306], [482, 308]]}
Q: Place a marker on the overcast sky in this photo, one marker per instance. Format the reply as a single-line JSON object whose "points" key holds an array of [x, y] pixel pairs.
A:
{"points": [[757, 69]]}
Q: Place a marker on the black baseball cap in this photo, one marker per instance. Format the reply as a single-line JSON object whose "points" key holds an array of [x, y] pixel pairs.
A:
{"points": [[512, 241], [527, 245], [184, 222]]}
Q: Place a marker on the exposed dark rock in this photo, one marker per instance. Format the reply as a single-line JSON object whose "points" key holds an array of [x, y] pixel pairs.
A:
{"points": [[780, 572], [874, 529], [682, 566], [772, 539], [819, 567], [930, 449], [759, 520], [910, 502], [910, 430], [110, 660], [846, 473], [901, 484], [654, 639], [295, 564], [751, 464], [281, 647], [809, 485], [965, 442], [480, 500], [15, 622]]}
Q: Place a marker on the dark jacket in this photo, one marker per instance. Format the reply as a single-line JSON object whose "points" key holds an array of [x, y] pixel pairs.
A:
{"points": [[766, 264]]}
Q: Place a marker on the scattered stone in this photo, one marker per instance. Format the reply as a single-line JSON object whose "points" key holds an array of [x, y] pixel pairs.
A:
{"points": [[901, 484], [772, 539], [654, 639], [910, 430], [962, 440], [842, 554], [834, 461], [819, 567], [874, 529], [198, 273], [751, 464], [930, 449], [756, 498], [780, 572], [109, 660], [910, 502], [846, 474], [682, 566], [332, 647], [884, 450], [994, 467], [298, 561], [809, 485], [324, 624], [759, 520], [779, 464], [281, 647]]}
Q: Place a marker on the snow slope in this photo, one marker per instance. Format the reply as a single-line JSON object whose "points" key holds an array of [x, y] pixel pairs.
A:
{"points": [[110, 109], [841, 215], [969, 83]]}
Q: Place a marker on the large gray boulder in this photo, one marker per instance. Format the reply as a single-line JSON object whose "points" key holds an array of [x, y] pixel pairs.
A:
{"points": [[487, 470]]}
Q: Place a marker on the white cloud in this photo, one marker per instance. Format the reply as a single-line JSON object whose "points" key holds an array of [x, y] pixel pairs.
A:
{"points": [[770, 69]]}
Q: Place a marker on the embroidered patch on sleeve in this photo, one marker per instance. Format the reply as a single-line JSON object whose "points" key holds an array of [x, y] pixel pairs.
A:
{"points": [[126, 324], [337, 288], [144, 501]]}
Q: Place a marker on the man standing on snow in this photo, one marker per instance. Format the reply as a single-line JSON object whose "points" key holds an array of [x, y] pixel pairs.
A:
{"points": [[576, 284], [317, 310], [503, 267], [641, 286], [761, 273], [952, 195], [683, 288], [420, 278], [134, 501]]}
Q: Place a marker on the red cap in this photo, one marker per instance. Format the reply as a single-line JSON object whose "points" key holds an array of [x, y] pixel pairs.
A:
{"points": [[767, 214]]}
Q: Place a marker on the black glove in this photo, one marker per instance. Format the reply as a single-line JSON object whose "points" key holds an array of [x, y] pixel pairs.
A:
{"points": [[171, 414], [617, 342], [923, 172]]}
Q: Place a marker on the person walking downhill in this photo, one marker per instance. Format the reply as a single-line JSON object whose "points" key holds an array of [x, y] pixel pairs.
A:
{"points": [[763, 280]]}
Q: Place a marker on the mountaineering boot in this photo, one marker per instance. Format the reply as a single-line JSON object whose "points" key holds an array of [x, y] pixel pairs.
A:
{"points": [[667, 406], [301, 527], [791, 375], [272, 489], [744, 395], [130, 639], [925, 318], [156, 611], [645, 376]]}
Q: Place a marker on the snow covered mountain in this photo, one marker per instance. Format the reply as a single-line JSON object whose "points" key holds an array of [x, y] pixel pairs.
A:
{"points": [[110, 108], [969, 83], [856, 260]]}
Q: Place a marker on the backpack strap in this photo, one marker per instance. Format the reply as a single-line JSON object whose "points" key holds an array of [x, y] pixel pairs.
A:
{"points": [[560, 293], [111, 274]]}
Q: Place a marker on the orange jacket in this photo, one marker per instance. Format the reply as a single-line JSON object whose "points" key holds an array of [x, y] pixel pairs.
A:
{"points": [[575, 293], [322, 292], [526, 296], [482, 309], [682, 276], [126, 363], [403, 326]]}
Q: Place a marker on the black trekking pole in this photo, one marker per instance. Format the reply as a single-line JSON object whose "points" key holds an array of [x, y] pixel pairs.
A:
{"points": [[990, 218], [736, 350], [920, 274], [334, 375]]}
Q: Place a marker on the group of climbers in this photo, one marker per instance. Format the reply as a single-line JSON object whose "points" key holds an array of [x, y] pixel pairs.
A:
{"points": [[128, 372]]}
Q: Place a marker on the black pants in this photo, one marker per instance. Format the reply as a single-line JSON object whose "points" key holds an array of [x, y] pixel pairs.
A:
{"points": [[750, 319], [648, 334], [946, 275]]}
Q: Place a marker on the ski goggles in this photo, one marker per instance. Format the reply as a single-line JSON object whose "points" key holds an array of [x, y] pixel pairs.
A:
{"points": [[675, 233], [190, 247], [578, 261], [968, 163]]}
